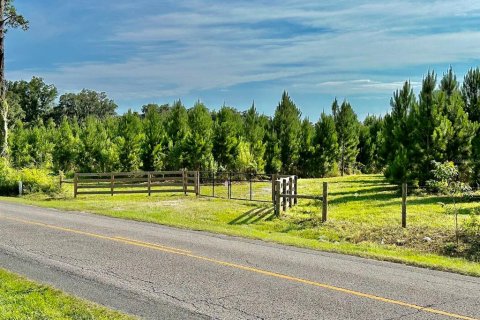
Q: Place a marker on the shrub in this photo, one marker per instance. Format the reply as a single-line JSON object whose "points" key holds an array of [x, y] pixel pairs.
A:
{"points": [[37, 180], [8, 179], [471, 236]]}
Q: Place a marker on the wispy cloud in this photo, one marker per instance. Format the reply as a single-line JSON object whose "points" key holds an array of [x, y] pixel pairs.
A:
{"points": [[168, 48]]}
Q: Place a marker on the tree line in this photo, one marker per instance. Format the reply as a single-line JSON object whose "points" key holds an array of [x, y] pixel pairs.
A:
{"points": [[82, 132]]}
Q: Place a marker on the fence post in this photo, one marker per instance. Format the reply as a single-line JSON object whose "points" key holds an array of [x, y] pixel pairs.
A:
{"points": [[295, 190], [185, 176], [276, 189], [274, 178], [229, 185], [284, 193], [250, 175], [404, 205], [290, 191], [149, 184], [325, 202], [197, 182], [60, 177], [112, 184], [75, 185], [213, 184], [20, 188]]}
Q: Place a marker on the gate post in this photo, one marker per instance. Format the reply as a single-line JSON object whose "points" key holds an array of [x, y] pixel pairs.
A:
{"points": [[112, 184], [295, 190], [274, 178], [404, 205], [276, 189], [149, 184], [284, 194], [290, 191], [75, 185], [325, 202]]}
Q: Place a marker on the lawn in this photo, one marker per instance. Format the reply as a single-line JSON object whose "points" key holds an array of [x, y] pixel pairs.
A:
{"points": [[24, 299], [364, 218]]}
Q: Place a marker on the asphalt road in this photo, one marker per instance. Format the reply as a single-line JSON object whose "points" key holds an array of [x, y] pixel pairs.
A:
{"points": [[158, 272]]}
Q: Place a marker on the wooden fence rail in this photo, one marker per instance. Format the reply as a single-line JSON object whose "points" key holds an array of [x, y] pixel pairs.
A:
{"points": [[285, 195], [181, 181]]}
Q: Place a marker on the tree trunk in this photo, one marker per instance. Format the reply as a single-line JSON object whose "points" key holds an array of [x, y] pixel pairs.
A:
{"points": [[343, 160], [3, 105], [4, 129]]}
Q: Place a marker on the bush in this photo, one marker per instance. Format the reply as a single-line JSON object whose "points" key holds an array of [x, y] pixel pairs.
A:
{"points": [[37, 180], [8, 179], [471, 236]]}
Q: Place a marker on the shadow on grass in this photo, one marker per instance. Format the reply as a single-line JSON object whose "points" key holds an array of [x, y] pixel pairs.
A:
{"points": [[365, 197], [253, 216], [388, 188], [375, 181]]}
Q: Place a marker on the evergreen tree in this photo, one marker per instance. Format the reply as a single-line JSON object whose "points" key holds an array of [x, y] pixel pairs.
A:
{"points": [[346, 124], [431, 130], [198, 145], [227, 133], [273, 162], [326, 146], [130, 141], [255, 134], [97, 152], [65, 148], [307, 149], [287, 125], [153, 150], [471, 94], [370, 140], [177, 131], [396, 134]]}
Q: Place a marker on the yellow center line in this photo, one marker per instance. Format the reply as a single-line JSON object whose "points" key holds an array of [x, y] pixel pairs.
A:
{"points": [[246, 268]]}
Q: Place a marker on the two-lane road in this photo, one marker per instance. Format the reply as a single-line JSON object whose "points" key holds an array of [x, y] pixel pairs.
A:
{"points": [[158, 272]]}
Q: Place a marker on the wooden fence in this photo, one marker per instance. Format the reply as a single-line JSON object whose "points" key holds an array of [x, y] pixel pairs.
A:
{"points": [[181, 181], [285, 195]]}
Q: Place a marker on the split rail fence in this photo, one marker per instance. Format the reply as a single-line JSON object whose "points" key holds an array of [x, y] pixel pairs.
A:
{"points": [[112, 183], [227, 185]]}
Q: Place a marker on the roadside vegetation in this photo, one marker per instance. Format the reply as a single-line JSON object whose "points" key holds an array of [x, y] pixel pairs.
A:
{"points": [[364, 220], [23, 299], [43, 133]]}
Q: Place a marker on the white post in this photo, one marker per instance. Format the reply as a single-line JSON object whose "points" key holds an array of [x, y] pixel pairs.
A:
{"points": [[20, 188]]}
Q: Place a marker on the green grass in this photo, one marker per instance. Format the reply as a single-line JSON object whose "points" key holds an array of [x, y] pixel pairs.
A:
{"points": [[364, 218], [24, 299]]}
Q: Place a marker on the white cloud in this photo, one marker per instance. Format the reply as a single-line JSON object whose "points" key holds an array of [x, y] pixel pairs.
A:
{"points": [[202, 45]]}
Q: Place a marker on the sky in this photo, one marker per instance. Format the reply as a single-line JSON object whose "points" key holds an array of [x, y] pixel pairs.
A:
{"points": [[237, 52]]}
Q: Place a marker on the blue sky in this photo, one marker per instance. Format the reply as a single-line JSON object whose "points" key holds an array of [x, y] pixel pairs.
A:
{"points": [[234, 52]]}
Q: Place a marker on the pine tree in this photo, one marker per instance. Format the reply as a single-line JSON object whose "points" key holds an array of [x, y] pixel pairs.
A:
{"points": [[255, 134], [65, 148], [177, 131], [346, 124], [198, 145], [396, 134], [153, 153], [227, 132], [307, 149], [326, 146], [273, 162], [131, 140], [471, 94], [369, 144], [287, 125]]}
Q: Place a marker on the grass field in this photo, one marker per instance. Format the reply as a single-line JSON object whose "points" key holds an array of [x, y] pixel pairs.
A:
{"points": [[23, 299], [364, 218]]}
